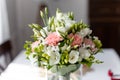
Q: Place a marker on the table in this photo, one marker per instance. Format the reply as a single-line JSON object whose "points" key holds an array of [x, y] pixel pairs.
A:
{"points": [[21, 69]]}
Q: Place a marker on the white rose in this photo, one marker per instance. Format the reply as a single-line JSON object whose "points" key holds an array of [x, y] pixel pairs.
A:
{"points": [[73, 56], [54, 58], [84, 53], [85, 32]]}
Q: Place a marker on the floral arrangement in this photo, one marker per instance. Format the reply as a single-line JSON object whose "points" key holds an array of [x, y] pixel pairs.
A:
{"points": [[62, 42]]}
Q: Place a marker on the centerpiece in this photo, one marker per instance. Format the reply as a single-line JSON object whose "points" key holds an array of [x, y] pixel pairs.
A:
{"points": [[63, 44]]}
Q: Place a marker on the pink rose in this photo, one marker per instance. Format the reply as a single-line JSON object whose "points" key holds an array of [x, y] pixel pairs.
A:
{"points": [[77, 39], [34, 45], [53, 39]]}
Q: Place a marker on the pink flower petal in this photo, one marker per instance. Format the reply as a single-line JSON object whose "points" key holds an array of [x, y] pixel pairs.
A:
{"points": [[53, 39], [77, 39]]}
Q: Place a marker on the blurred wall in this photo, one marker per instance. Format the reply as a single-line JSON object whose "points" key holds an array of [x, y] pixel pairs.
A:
{"points": [[79, 7], [23, 12], [27, 11], [11, 7]]}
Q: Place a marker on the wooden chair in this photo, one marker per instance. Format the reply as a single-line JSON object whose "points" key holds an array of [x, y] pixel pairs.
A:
{"points": [[5, 50]]}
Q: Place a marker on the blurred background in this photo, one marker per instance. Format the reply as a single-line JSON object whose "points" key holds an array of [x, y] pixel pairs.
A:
{"points": [[103, 16]]}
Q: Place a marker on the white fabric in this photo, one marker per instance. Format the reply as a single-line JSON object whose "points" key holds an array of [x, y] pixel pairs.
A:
{"points": [[4, 24], [21, 69]]}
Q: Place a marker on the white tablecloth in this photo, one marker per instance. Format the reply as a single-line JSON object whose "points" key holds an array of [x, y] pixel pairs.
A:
{"points": [[21, 69]]}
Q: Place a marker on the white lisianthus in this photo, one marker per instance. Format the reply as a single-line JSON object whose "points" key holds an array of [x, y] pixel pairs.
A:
{"points": [[84, 53], [73, 56], [55, 48], [50, 49], [54, 57], [68, 23], [61, 16], [85, 32], [64, 18]]}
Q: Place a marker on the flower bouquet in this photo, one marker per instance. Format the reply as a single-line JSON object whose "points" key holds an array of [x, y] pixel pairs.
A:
{"points": [[63, 44]]}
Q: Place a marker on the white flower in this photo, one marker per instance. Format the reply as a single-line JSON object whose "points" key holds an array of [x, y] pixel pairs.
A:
{"points": [[85, 32], [51, 49], [84, 53], [68, 23], [73, 56], [54, 57], [55, 48], [60, 16]]}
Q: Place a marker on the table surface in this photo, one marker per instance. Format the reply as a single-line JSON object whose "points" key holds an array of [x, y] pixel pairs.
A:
{"points": [[21, 69]]}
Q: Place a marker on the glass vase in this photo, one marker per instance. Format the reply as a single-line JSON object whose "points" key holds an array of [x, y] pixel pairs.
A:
{"points": [[72, 72], [61, 77]]}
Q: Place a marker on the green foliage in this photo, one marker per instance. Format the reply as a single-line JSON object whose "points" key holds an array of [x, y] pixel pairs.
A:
{"points": [[41, 56], [64, 57], [97, 43], [89, 61], [27, 46], [71, 15], [63, 34], [77, 27], [35, 26]]}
